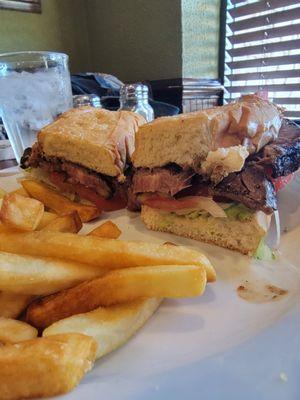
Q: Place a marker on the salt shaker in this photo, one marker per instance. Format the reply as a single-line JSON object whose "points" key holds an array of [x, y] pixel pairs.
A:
{"points": [[146, 103], [133, 97], [86, 100]]}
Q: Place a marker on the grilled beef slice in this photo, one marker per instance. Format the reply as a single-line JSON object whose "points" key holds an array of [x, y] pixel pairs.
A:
{"points": [[70, 172], [249, 187], [282, 156], [168, 180]]}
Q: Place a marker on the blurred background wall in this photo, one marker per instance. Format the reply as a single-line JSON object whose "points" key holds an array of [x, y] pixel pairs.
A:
{"points": [[136, 39], [62, 26], [132, 39]]}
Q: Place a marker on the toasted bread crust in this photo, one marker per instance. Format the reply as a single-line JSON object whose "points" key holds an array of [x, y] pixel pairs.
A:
{"points": [[95, 138], [242, 236], [186, 139]]}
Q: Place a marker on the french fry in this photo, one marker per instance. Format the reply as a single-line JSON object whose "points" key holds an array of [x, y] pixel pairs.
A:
{"points": [[118, 287], [14, 331], [68, 223], [106, 253], [13, 304], [2, 193], [58, 203], [46, 219], [111, 327], [21, 212], [21, 191], [45, 367], [41, 276], [108, 230], [7, 229]]}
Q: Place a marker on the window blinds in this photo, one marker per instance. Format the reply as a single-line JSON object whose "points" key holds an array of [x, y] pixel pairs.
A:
{"points": [[262, 51]]}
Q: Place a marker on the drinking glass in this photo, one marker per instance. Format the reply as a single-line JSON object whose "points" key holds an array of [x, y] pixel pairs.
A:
{"points": [[35, 87]]}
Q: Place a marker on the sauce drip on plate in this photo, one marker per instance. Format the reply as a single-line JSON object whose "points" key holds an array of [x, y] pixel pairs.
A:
{"points": [[260, 292]]}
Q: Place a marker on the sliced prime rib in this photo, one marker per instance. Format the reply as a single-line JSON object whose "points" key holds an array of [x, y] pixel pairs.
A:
{"points": [[249, 187], [77, 174], [252, 186], [70, 173], [282, 156], [168, 180]]}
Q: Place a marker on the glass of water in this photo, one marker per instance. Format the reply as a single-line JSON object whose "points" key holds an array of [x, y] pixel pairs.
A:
{"points": [[35, 87]]}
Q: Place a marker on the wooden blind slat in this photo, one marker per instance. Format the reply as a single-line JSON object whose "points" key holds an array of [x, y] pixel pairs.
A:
{"points": [[265, 48], [286, 100], [274, 18], [292, 114], [270, 50], [265, 62], [290, 73], [238, 1], [271, 33], [259, 6], [271, 88]]}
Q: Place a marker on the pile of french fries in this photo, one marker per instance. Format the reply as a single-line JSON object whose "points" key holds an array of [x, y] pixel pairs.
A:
{"points": [[67, 299]]}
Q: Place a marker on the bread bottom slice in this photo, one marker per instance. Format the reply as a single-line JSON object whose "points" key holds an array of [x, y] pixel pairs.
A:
{"points": [[242, 236]]}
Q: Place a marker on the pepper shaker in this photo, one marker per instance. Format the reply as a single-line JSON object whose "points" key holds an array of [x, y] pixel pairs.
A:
{"points": [[133, 97]]}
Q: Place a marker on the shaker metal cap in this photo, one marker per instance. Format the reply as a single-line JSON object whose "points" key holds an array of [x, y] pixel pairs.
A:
{"points": [[131, 91], [86, 100]]}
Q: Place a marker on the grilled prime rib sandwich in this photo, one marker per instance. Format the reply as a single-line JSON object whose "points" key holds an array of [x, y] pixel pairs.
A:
{"points": [[86, 152], [213, 175]]}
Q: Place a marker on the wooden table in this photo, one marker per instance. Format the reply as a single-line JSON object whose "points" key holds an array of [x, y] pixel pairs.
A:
{"points": [[8, 163]]}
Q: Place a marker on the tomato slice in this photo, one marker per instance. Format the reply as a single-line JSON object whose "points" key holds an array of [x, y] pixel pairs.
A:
{"points": [[113, 204], [279, 183], [170, 204]]}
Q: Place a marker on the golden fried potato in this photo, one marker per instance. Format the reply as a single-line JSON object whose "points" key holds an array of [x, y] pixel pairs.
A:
{"points": [[14, 331], [108, 230], [68, 223], [7, 229], [21, 191], [117, 287], [2, 193], [45, 367], [12, 304], [112, 326], [58, 203], [46, 219], [21, 212], [29, 275], [106, 253]]}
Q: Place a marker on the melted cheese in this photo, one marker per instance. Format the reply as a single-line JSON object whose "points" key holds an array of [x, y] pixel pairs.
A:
{"points": [[221, 162]]}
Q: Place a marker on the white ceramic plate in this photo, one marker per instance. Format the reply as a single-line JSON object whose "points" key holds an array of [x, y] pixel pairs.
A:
{"points": [[218, 346]]}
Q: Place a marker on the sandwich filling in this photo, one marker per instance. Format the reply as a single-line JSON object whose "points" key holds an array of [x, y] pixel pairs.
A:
{"points": [[177, 189], [104, 191]]}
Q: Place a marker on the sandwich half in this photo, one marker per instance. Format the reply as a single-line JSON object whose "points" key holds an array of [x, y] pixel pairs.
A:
{"points": [[212, 175], [86, 152]]}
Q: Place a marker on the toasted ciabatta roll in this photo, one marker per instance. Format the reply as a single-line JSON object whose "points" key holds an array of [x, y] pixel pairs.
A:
{"points": [[231, 233], [186, 139], [86, 152], [95, 138]]}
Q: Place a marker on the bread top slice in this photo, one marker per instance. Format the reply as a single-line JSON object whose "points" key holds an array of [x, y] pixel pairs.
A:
{"points": [[186, 139], [95, 138]]}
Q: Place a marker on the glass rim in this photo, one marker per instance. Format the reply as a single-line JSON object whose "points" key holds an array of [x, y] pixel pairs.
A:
{"points": [[34, 52]]}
